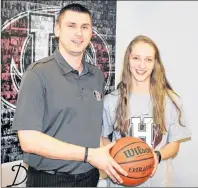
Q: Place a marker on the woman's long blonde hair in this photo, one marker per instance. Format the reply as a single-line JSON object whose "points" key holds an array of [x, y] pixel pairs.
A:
{"points": [[159, 88]]}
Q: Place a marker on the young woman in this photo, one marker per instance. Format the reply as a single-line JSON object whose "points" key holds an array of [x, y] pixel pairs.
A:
{"points": [[145, 106]]}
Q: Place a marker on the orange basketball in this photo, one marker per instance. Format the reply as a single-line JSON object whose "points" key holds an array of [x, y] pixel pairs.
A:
{"points": [[135, 157]]}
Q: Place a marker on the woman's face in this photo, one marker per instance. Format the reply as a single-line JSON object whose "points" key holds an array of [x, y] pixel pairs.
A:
{"points": [[142, 61]]}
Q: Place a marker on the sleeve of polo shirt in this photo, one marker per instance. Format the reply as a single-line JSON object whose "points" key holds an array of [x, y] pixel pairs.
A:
{"points": [[103, 82], [30, 103], [107, 126]]}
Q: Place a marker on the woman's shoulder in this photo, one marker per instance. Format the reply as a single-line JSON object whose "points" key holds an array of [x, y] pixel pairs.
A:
{"points": [[112, 97], [114, 94]]}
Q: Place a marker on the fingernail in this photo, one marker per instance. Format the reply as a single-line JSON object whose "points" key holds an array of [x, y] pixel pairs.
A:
{"points": [[124, 173]]}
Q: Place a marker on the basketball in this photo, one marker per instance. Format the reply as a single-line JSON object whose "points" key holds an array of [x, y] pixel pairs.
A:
{"points": [[135, 157]]}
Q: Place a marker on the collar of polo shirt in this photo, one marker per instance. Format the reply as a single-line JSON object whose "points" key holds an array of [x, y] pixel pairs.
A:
{"points": [[66, 68]]}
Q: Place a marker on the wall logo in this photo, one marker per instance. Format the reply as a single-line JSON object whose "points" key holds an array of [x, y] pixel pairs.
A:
{"points": [[29, 37]]}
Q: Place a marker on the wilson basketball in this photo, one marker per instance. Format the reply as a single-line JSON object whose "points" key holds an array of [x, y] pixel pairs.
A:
{"points": [[135, 157]]}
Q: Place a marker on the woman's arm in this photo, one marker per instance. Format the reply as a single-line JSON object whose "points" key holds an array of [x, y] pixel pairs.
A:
{"points": [[105, 141], [170, 150]]}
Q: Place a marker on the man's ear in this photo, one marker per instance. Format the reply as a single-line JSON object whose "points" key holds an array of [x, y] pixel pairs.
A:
{"points": [[57, 30]]}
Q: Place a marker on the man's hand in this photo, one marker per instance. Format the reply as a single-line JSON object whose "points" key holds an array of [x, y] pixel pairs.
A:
{"points": [[101, 159]]}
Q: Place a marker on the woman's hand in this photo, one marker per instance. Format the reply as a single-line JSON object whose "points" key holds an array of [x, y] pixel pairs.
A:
{"points": [[155, 165]]}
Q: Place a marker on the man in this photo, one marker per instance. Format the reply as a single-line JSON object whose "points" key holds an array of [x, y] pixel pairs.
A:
{"points": [[59, 111]]}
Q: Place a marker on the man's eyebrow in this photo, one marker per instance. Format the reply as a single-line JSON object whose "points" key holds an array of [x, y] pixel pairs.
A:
{"points": [[87, 24], [73, 23], [70, 23]]}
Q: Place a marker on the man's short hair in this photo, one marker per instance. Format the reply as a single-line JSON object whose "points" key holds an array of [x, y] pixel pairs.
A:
{"points": [[73, 7]]}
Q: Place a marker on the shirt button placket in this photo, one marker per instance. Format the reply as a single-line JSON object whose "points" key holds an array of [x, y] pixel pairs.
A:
{"points": [[81, 89]]}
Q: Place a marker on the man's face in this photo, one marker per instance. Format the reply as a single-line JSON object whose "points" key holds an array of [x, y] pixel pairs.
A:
{"points": [[74, 31]]}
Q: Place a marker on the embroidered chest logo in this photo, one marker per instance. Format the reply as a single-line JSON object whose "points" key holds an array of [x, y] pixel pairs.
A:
{"points": [[98, 96]]}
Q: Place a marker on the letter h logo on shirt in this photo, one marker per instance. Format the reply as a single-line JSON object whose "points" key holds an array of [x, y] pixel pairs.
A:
{"points": [[142, 127]]}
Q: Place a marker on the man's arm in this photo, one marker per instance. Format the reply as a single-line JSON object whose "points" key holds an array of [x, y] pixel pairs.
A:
{"points": [[32, 139], [41, 144], [49, 147]]}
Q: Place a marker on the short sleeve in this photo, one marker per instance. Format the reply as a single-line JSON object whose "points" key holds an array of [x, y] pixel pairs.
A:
{"points": [[103, 81], [30, 103], [176, 131], [107, 125]]}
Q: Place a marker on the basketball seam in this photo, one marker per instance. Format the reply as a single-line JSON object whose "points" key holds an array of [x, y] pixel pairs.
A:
{"points": [[133, 177], [135, 161], [125, 147]]}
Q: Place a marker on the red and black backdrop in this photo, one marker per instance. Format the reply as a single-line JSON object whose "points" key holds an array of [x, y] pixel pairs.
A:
{"points": [[27, 35]]}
